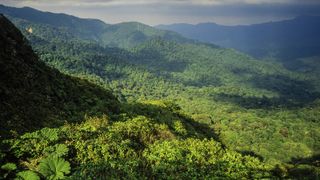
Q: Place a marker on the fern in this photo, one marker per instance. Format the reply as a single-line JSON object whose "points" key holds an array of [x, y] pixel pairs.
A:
{"points": [[54, 167]]}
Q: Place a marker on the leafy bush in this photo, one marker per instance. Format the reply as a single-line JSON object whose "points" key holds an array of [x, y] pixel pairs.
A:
{"points": [[36, 143], [194, 158], [179, 128], [138, 128]]}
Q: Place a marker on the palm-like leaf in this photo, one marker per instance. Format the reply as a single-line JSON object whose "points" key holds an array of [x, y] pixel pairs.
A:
{"points": [[54, 167], [27, 175]]}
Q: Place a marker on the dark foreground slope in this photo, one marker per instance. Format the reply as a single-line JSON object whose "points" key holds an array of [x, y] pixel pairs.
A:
{"points": [[34, 95]]}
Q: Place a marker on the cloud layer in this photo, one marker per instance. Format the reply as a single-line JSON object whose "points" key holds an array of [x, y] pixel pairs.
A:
{"points": [[172, 11], [148, 2]]}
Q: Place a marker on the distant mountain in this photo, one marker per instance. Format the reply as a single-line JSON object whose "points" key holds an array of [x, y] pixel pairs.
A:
{"points": [[298, 37], [124, 35], [33, 95]]}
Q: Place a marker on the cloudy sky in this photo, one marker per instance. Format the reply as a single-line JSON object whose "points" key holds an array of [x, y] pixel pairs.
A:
{"points": [[153, 12]]}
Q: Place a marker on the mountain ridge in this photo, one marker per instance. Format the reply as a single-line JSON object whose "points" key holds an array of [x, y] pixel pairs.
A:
{"points": [[300, 17], [26, 11], [123, 35], [287, 39]]}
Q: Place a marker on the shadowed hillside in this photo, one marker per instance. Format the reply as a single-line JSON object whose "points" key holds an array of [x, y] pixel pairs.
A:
{"points": [[34, 95]]}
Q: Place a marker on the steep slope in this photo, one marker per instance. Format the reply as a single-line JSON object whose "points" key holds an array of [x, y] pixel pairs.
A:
{"points": [[34, 95], [287, 39]]}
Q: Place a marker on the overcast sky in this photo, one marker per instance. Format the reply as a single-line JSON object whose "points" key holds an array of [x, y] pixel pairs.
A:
{"points": [[153, 12]]}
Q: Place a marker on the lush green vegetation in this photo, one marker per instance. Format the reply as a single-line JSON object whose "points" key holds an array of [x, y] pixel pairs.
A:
{"points": [[147, 139], [151, 140], [246, 101], [233, 117]]}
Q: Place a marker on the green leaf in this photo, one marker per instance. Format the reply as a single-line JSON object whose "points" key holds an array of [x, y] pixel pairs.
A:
{"points": [[9, 167], [54, 167], [27, 175], [61, 150]]}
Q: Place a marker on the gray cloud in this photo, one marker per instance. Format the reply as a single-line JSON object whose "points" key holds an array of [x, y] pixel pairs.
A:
{"points": [[146, 2], [172, 11]]}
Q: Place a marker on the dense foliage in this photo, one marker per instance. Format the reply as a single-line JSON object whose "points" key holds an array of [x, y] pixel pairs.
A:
{"points": [[139, 144], [246, 101], [148, 139], [233, 117]]}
